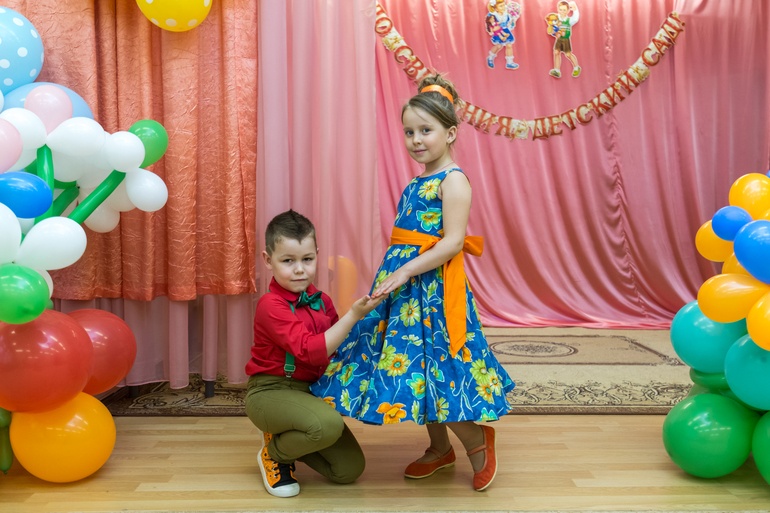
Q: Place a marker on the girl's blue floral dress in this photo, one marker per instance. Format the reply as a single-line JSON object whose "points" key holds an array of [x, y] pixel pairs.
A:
{"points": [[395, 364]]}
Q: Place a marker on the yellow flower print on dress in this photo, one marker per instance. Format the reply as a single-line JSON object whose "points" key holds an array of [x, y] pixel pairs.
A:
{"points": [[407, 252], [429, 189], [346, 374], [488, 415], [412, 339], [398, 365], [417, 384], [392, 413], [386, 358], [429, 218], [486, 392], [330, 401], [410, 312], [333, 368], [479, 372], [442, 409], [345, 400]]}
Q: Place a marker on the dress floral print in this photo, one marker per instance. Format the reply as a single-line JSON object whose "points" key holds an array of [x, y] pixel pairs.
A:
{"points": [[395, 364]]}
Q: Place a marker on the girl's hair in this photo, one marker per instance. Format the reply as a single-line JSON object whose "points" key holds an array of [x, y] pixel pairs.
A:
{"points": [[290, 225], [435, 103]]}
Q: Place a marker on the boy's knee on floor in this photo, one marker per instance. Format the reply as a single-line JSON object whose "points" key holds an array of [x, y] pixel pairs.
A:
{"points": [[352, 470]]}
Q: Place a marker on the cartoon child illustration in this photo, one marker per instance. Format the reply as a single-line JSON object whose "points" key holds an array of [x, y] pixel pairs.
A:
{"points": [[500, 21], [560, 26]]}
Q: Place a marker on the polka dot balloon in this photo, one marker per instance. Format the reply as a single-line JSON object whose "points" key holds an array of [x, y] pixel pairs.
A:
{"points": [[21, 51], [175, 15]]}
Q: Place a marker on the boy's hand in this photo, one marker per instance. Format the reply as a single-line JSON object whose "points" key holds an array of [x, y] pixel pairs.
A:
{"points": [[366, 304]]}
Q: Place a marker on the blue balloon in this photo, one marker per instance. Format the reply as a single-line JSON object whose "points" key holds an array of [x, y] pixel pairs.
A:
{"points": [[80, 108], [702, 343], [25, 194], [728, 220], [21, 51], [747, 369], [752, 249]]}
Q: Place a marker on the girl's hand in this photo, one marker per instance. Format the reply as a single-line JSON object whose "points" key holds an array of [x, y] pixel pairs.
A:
{"points": [[366, 304], [391, 283]]}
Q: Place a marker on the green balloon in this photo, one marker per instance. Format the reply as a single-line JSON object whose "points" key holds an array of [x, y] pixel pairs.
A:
{"points": [[760, 446], [715, 381], [23, 294], [153, 136], [709, 435], [5, 418]]}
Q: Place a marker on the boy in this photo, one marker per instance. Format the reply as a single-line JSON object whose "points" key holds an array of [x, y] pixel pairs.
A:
{"points": [[296, 329]]}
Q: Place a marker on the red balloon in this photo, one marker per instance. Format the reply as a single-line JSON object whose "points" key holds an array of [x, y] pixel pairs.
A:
{"points": [[43, 363], [114, 348]]}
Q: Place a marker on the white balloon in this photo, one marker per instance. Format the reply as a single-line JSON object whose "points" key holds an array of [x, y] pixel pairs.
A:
{"points": [[119, 199], [146, 190], [103, 219], [2, 100], [10, 235], [26, 158], [29, 125], [53, 243], [125, 151], [78, 137], [67, 168], [49, 281]]}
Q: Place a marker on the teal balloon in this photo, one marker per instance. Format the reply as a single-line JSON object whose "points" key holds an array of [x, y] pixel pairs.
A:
{"points": [[709, 435], [760, 446], [154, 138], [747, 369], [23, 294], [700, 342]]}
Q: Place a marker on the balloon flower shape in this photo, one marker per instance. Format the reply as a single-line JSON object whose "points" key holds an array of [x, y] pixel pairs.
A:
{"points": [[175, 15]]}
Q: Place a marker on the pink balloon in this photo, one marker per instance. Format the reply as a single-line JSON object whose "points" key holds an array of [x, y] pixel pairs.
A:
{"points": [[51, 104], [10, 142]]}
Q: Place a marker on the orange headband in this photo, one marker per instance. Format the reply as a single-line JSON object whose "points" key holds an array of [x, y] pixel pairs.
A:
{"points": [[440, 90]]}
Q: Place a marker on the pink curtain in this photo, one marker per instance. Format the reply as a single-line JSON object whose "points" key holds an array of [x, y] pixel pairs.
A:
{"points": [[594, 227]]}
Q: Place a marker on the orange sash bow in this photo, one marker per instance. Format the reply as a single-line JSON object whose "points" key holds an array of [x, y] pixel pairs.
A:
{"points": [[454, 280]]}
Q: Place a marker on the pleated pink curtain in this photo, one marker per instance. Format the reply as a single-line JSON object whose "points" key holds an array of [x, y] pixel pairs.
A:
{"points": [[186, 278], [594, 227]]}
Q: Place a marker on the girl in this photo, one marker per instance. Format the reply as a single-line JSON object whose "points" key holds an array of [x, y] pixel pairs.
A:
{"points": [[421, 355]]}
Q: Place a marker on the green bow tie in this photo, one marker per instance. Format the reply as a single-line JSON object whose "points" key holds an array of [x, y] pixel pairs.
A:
{"points": [[314, 301]]}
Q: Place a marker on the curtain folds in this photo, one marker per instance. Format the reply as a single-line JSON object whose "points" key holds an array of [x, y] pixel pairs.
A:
{"points": [[271, 105], [594, 227]]}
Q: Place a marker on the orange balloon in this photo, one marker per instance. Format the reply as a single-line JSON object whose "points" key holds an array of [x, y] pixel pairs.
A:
{"points": [[67, 443], [752, 193], [710, 246], [732, 266], [758, 322], [344, 282], [729, 297]]}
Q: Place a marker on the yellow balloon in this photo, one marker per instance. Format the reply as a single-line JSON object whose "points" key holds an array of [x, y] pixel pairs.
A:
{"points": [[710, 246], [758, 322], [729, 297], [752, 193], [732, 266], [175, 15], [67, 443]]}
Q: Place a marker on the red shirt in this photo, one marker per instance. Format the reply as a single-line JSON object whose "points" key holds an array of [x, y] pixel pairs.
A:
{"points": [[278, 330]]}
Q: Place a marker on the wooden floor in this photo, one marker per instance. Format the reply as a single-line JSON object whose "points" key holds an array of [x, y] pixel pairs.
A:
{"points": [[547, 463]]}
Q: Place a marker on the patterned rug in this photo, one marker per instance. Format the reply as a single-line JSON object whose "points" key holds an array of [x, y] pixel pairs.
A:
{"points": [[556, 370]]}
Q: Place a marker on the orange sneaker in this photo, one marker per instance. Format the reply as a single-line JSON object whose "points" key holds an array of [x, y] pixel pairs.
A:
{"points": [[278, 478], [483, 478], [417, 470]]}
